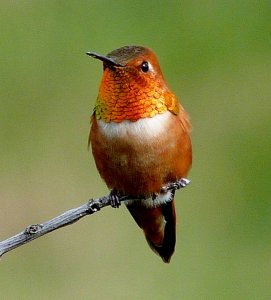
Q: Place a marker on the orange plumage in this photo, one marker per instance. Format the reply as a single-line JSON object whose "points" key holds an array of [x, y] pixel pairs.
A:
{"points": [[140, 140]]}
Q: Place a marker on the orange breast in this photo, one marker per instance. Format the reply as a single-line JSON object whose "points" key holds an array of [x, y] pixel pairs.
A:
{"points": [[138, 158]]}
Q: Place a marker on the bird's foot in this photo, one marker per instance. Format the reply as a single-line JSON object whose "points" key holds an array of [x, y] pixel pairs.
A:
{"points": [[115, 199], [182, 183]]}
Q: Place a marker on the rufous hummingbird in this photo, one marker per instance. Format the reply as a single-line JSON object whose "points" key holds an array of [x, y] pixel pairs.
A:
{"points": [[140, 140]]}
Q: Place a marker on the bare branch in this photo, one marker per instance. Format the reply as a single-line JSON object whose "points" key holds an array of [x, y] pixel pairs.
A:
{"points": [[71, 216]]}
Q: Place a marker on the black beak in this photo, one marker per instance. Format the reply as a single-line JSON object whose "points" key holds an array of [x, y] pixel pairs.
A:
{"points": [[107, 60]]}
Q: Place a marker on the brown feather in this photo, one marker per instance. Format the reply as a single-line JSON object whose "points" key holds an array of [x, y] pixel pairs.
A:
{"points": [[146, 168], [136, 168]]}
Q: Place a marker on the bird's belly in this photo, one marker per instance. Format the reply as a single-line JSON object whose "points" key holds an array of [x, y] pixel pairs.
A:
{"points": [[138, 158]]}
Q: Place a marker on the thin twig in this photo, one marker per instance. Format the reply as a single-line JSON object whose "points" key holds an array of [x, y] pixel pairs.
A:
{"points": [[71, 216]]}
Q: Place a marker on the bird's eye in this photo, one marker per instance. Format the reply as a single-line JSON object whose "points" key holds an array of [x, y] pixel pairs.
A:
{"points": [[145, 67]]}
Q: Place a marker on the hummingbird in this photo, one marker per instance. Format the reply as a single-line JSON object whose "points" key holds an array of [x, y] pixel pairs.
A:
{"points": [[140, 140]]}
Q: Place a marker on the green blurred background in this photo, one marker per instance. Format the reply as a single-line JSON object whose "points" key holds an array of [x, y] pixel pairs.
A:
{"points": [[215, 56]]}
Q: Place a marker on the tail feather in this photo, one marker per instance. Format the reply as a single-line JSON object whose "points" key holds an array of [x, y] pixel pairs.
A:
{"points": [[168, 246], [159, 226]]}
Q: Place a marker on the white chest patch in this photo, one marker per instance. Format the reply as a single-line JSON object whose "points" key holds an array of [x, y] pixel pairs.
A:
{"points": [[142, 129]]}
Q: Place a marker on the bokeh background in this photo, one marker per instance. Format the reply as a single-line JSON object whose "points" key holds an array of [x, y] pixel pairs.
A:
{"points": [[215, 56]]}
